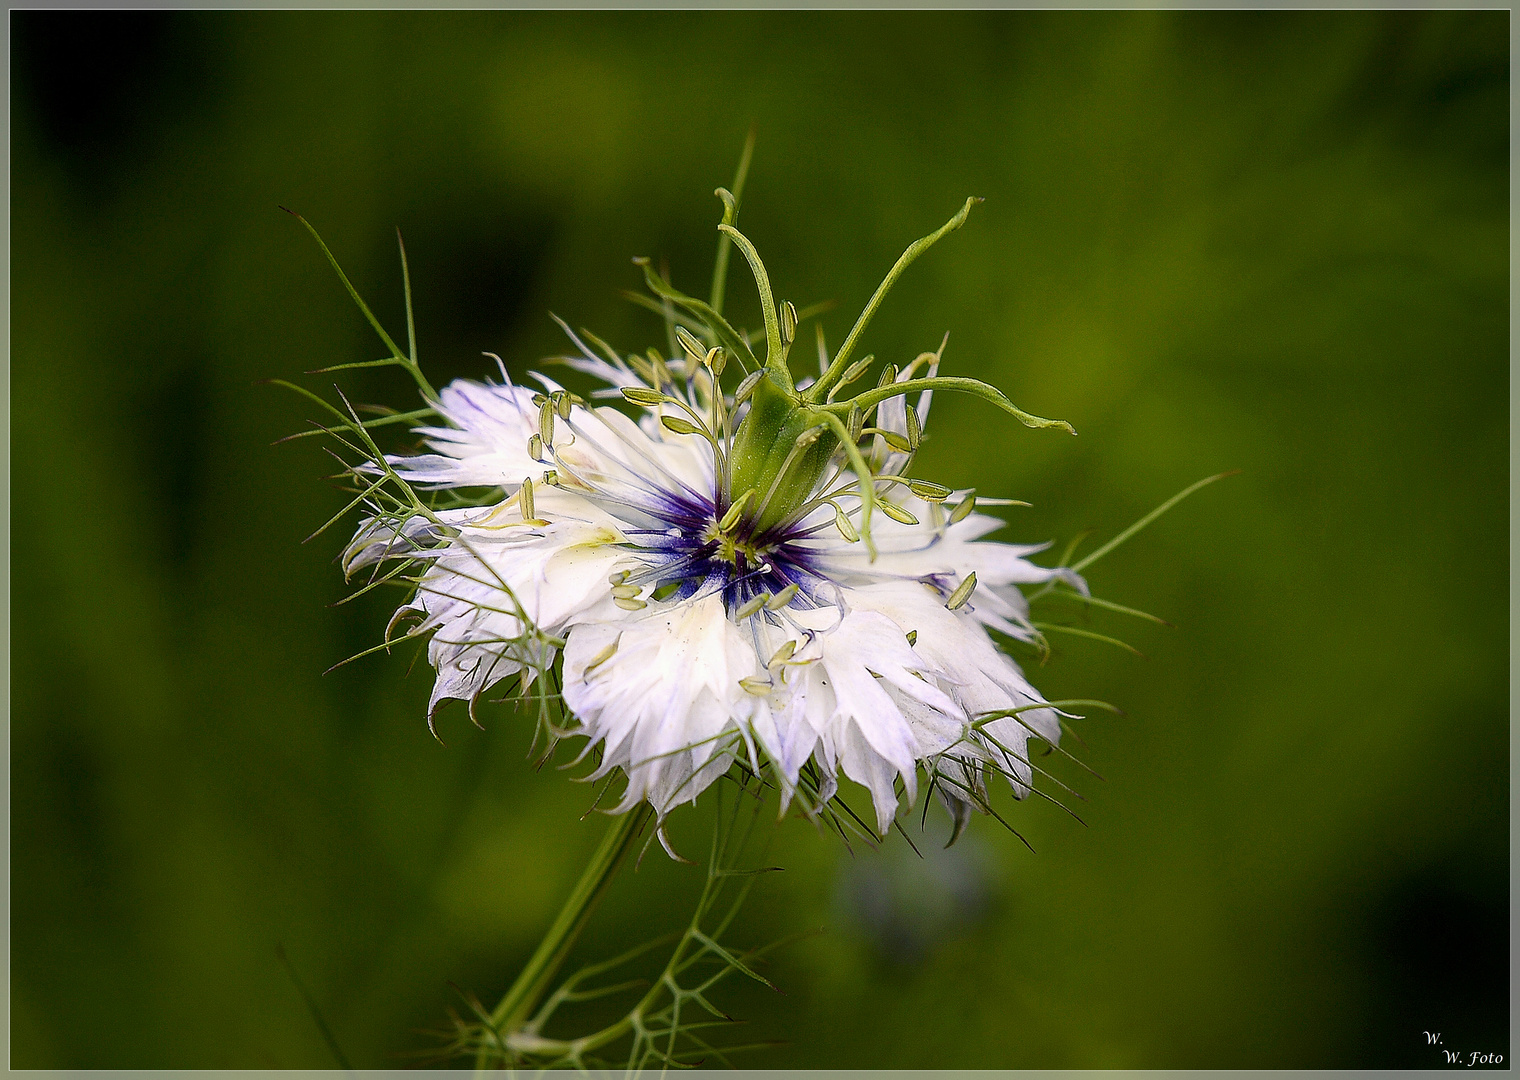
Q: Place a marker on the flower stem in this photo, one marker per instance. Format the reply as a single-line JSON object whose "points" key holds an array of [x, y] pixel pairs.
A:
{"points": [[541, 968]]}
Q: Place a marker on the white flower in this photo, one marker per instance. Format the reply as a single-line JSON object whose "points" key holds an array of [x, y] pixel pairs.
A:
{"points": [[713, 580]]}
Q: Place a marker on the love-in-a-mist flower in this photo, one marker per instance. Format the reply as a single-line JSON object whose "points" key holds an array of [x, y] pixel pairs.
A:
{"points": [[726, 564]]}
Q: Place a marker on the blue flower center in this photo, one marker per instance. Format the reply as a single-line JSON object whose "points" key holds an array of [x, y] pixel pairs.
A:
{"points": [[691, 554]]}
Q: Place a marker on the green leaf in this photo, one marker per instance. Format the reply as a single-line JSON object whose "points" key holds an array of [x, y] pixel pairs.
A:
{"points": [[369, 315], [1107, 605], [1091, 635], [1148, 518]]}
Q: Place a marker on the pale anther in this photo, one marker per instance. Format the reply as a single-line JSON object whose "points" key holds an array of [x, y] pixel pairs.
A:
{"points": [[602, 657], [855, 422], [896, 513], [929, 491], [747, 387], [661, 372], [845, 526], [679, 426], [525, 499], [788, 322], [962, 592], [640, 395], [857, 369], [782, 598], [641, 367], [735, 511], [690, 343]]}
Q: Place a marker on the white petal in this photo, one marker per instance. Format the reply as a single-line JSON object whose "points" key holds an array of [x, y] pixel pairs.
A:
{"points": [[491, 593], [868, 732], [667, 702]]}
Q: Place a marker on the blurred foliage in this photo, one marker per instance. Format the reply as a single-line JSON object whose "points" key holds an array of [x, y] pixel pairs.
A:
{"points": [[1275, 242]]}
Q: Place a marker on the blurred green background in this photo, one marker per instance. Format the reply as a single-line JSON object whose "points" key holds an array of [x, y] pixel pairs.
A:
{"points": [[1267, 242]]}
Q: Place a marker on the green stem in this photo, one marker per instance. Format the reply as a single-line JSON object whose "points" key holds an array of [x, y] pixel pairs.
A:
{"points": [[544, 965]]}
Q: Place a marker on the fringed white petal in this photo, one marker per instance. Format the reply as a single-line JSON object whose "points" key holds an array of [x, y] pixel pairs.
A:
{"points": [[667, 705]]}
